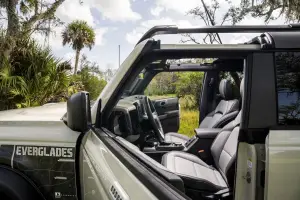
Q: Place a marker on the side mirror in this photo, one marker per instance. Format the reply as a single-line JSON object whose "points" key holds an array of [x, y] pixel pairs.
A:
{"points": [[79, 112]]}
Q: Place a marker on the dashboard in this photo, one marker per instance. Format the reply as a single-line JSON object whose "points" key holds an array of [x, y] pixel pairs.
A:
{"points": [[129, 118]]}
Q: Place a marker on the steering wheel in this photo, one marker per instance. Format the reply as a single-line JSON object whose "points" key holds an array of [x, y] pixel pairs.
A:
{"points": [[154, 119]]}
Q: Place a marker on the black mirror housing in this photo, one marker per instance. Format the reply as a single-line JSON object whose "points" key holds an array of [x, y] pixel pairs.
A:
{"points": [[79, 112]]}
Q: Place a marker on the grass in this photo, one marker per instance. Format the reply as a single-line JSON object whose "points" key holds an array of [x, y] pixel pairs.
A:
{"points": [[188, 122], [189, 118]]}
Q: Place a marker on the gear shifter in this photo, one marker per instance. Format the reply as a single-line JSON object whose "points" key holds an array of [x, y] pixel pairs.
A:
{"points": [[151, 141]]}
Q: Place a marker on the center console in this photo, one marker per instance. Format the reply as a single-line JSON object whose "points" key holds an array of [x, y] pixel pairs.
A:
{"points": [[191, 142], [200, 142], [166, 146], [207, 133], [159, 149]]}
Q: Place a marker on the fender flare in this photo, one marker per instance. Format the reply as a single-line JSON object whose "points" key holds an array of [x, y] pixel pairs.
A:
{"points": [[17, 186]]}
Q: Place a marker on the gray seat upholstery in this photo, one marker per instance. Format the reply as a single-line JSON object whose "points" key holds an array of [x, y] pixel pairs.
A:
{"points": [[176, 137], [195, 173], [198, 175], [226, 111], [184, 170], [174, 179]]}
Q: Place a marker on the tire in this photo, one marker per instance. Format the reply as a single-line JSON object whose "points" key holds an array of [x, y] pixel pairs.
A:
{"points": [[14, 186]]}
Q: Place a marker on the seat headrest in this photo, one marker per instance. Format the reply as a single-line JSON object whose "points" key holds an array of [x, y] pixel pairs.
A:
{"points": [[225, 89], [242, 88]]}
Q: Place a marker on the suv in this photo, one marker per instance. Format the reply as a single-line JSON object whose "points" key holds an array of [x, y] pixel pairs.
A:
{"points": [[246, 145]]}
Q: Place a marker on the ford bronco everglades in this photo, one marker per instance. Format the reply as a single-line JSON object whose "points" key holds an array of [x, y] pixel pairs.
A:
{"points": [[126, 146]]}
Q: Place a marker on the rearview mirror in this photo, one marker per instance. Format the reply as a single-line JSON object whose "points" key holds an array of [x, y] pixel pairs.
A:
{"points": [[79, 112]]}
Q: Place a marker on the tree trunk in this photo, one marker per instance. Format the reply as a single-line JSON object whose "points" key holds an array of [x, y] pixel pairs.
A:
{"points": [[13, 25], [13, 28], [76, 61]]}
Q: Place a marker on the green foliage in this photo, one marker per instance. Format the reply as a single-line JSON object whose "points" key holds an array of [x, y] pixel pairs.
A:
{"points": [[185, 85], [269, 9], [79, 35], [91, 82], [189, 85], [29, 74], [163, 83], [189, 102], [32, 76]]}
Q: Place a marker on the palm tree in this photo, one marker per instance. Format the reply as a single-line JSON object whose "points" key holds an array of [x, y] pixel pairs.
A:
{"points": [[32, 76], [79, 35]]}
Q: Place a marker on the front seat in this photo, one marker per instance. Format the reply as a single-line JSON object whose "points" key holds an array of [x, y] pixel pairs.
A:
{"points": [[187, 171], [226, 111], [196, 174]]}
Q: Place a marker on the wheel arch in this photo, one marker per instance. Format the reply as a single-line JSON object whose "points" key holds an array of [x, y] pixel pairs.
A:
{"points": [[15, 185]]}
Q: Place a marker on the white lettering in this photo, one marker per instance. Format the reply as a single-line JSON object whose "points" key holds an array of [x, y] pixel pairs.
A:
{"points": [[70, 153], [52, 152], [19, 151], [64, 151], [35, 151], [45, 152], [24, 150], [58, 152], [29, 151], [40, 151]]}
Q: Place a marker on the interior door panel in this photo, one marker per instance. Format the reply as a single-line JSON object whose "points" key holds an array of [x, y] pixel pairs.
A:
{"points": [[168, 112]]}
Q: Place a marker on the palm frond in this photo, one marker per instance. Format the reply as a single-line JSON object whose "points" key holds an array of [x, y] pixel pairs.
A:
{"points": [[79, 35]]}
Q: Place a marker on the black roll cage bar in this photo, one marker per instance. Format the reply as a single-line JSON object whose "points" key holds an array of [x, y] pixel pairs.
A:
{"points": [[172, 29], [230, 65]]}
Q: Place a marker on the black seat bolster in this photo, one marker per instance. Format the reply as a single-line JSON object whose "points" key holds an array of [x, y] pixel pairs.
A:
{"points": [[225, 112], [201, 185], [195, 173], [207, 121], [225, 119], [228, 111]]}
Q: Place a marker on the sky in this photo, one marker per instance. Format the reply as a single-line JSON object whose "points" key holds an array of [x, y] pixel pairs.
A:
{"points": [[123, 22]]}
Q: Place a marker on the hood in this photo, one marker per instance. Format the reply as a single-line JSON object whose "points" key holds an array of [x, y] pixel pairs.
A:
{"points": [[49, 112]]}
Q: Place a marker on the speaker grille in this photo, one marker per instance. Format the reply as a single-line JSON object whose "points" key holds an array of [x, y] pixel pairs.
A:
{"points": [[115, 194]]}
